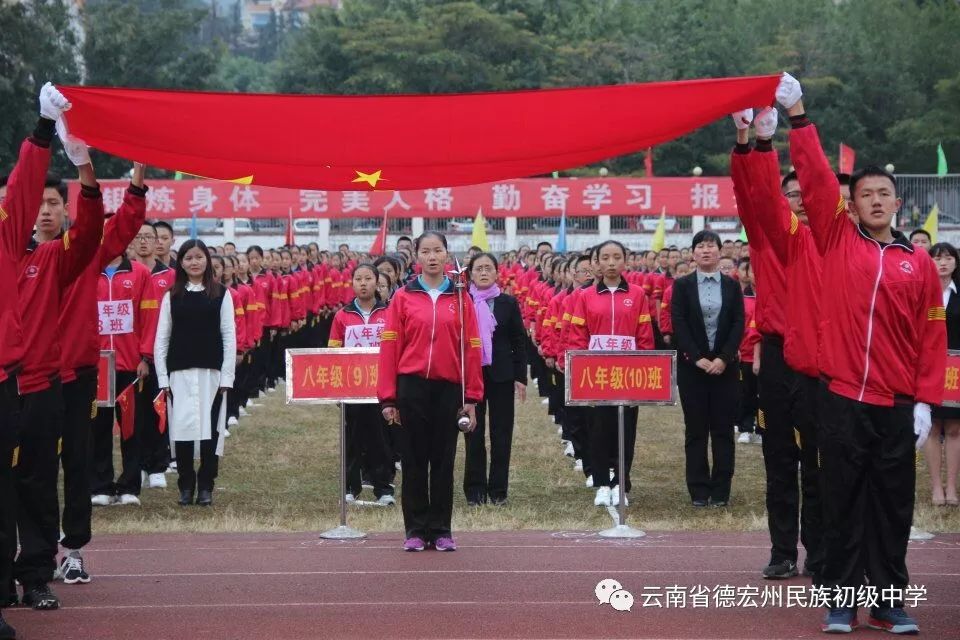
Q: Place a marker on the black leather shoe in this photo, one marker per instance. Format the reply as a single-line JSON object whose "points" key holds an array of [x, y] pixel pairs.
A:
{"points": [[6, 631], [186, 497], [205, 497]]}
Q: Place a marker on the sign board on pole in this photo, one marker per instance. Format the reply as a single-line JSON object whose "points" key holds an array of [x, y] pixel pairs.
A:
{"points": [[329, 376], [628, 378]]}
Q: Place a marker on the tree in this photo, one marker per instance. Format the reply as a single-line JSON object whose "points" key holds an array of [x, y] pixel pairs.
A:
{"points": [[39, 44]]}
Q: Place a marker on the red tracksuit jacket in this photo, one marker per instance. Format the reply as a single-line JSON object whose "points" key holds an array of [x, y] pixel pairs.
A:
{"points": [[883, 331], [349, 329], [79, 337], [793, 245], [769, 280], [120, 316], [18, 213], [666, 313], [750, 334], [603, 319], [263, 295], [161, 279], [46, 270], [422, 338]]}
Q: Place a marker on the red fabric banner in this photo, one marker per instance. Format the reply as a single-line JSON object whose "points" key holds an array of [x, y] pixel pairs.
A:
{"points": [[526, 198], [624, 378], [332, 375], [398, 142]]}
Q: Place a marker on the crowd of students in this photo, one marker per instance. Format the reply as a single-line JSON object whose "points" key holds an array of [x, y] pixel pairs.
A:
{"points": [[822, 339]]}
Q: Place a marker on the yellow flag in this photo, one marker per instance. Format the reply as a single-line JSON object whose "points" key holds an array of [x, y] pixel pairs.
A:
{"points": [[660, 235], [479, 236], [932, 223]]}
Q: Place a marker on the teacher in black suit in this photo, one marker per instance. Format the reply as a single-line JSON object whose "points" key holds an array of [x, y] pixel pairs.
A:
{"points": [[504, 360], [707, 328]]}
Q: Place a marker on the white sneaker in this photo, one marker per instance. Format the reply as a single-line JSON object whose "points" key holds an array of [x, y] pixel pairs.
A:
{"points": [[349, 498], [589, 482], [603, 497], [242, 412], [129, 499], [615, 497], [397, 466], [271, 389], [226, 433], [386, 500], [560, 431], [744, 438], [612, 474], [545, 401], [533, 381], [157, 481], [568, 450], [102, 500], [578, 465], [172, 467], [232, 422], [756, 438], [251, 404]]}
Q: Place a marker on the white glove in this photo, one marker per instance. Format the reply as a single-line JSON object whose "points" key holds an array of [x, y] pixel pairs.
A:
{"points": [[742, 118], [766, 122], [52, 102], [75, 148], [788, 91], [921, 422]]}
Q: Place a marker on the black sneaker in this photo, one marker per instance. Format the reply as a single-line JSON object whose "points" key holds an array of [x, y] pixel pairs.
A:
{"points": [[699, 504], [72, 570], [40, 597], [13, 599], [780, 571], [6, 631], [205, 497]]}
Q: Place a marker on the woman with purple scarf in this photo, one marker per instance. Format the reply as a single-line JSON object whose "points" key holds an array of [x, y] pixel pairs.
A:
{"points": [[504, 360]]}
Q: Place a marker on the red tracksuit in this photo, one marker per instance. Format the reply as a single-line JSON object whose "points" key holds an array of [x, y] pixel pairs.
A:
{"points": [[18, 213], [350, 329], [46, 270], [422, 338], [611, 321], [666, 314], [161, 279], [750, 334], [121, 318]]}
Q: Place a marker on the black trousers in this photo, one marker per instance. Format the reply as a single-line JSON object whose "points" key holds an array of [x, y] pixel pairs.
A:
{"points": [[79, 401], [867, 459], [367, 447], [36, 472], [709, 405], [101, 480], [9, 425], [498, 404], [189, 479], [749, 399], [155, 446], [604, 445], [577, 426], [428, 410], [788, 424]]}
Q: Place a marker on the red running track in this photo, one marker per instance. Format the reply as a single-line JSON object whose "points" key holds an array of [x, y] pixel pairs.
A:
{"points": [[498, 585]]}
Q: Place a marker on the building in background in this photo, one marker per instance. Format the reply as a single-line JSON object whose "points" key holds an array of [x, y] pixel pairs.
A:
{"points": [[257, 13]]}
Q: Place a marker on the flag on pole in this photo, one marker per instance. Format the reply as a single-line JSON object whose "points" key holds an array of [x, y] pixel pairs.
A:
{"points": [[160, 407], [660, 235], [933, 223], [562, 232], [127, 403], [648, 162], [941, 160], [847, 158], [379, 246], [290, 240], [743, 235], [479, 236]]}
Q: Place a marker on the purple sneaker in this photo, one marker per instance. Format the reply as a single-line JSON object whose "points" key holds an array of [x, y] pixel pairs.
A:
{"points": [[414, 544], [445, 544]]}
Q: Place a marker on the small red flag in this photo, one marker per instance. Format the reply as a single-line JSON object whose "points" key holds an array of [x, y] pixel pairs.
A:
{"points": [[160, 406], [290, 238], [648, 162], [847, 157], [379, 246], [127, 403]]}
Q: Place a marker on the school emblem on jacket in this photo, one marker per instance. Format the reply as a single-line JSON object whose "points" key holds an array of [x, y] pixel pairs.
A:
{"points": [[32, 271], [627, 302], [906, 267], [128, 284]]}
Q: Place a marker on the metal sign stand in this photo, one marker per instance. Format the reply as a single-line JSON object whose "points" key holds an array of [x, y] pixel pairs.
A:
{"points": [[622, 529], [343, 532]]}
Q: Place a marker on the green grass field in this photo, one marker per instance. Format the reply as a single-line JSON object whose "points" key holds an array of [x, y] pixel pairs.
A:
{"points": [[280, 468]]}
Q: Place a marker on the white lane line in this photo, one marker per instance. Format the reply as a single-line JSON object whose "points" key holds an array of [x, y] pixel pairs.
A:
{"points": [[456, 571]]}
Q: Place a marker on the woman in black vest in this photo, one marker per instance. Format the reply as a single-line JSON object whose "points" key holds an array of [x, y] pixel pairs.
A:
{"points": [[504, 361], [195, 354]]}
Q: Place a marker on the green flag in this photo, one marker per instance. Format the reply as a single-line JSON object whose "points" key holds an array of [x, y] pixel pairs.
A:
{"points": [[941, 161]]}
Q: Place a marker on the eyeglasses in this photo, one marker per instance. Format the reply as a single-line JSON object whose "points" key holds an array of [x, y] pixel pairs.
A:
{"points": [[793, 195], [141, 238], [484, 269]]}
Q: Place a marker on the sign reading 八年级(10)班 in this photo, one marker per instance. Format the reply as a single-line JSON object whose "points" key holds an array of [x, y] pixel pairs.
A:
{"points": [[614, 377]]}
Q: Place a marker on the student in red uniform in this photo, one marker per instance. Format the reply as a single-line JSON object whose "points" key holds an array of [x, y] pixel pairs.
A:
{"points": [[611, 316], [18, 207], [223, 274], [263, 295], [707, 329], [361, 324], [121, 289], [749, 359], [79, 356], [419, 386], [883, 362]]}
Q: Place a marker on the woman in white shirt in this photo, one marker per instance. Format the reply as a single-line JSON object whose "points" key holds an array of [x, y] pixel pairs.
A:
{"points": [[944, 440], [195, 353]]}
